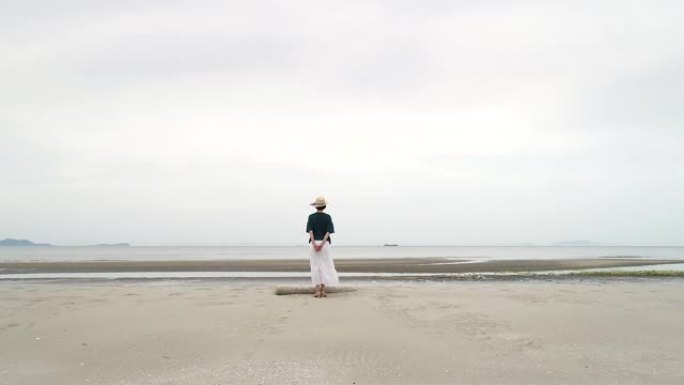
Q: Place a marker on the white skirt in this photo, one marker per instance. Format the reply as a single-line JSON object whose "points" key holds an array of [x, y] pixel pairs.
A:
{"points": [[322, 265]]}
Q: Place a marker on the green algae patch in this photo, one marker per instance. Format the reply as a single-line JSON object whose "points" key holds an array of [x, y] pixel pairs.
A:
{"points": [[640, 273]]}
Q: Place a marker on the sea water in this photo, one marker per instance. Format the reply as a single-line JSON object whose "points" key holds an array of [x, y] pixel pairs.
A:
{"points": [[175, 253]]}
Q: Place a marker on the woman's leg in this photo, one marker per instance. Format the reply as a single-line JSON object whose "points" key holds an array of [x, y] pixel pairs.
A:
{"points": [[323, 290], [315, 274]]}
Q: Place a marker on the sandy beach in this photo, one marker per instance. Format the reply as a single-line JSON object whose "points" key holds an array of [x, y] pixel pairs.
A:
{"points": [[200, 332]]}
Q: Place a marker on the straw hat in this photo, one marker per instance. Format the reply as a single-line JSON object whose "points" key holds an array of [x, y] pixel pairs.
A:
{"points": [[319, 202]]}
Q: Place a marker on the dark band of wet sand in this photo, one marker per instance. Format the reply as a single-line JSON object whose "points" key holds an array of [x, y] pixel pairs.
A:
{"points": [[397, 265]]}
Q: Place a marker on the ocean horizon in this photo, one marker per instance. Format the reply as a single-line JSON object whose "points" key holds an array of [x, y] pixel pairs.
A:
{"points": [[179, 253]]}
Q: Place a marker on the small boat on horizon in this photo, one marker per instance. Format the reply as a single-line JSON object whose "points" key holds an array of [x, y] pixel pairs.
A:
{"points": [[390, 244]]}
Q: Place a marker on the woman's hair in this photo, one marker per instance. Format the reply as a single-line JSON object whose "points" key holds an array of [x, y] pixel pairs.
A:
{"points": [[320, 208]]}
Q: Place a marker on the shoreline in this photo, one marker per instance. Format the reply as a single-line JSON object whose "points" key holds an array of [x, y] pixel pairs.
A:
{"points": [[395, 265], [600, 277]]}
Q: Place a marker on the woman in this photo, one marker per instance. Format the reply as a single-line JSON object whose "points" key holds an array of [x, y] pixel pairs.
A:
{"points": [[319, 227]]}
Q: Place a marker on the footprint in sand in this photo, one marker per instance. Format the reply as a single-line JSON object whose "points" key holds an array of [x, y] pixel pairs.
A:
{"points": [[98, 300], [221, 303], [8, 326], [367, 358]]}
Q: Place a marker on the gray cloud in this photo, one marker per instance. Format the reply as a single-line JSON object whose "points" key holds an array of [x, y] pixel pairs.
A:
{"points": [[457, 122]]}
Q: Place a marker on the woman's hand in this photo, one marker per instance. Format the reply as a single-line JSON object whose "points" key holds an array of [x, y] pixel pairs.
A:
{"points": [[319, 246]]}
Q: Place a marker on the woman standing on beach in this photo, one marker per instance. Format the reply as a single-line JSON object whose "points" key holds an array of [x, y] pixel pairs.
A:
{"points": [[319, 227]]}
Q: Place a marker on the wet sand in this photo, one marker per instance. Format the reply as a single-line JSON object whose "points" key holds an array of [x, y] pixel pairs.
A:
{"points": [[199, 332], [397, 265]]}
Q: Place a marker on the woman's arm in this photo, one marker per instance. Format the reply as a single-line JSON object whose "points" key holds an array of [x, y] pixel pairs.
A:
{"points": [[319, 246], [311, 236]]}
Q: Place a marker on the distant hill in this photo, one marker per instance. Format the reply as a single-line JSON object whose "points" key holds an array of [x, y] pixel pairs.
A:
{"points": [[21, 242]]}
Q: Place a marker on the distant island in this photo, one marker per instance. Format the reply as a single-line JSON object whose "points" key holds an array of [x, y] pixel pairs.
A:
{"points": [[21, 242], [576, 243], [25, 242], [390, 244]]}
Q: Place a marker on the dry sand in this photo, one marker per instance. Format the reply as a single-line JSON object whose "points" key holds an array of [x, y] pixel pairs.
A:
{"points": [[199, 332]]}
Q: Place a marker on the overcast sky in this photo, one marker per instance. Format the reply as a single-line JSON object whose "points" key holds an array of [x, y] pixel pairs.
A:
{"points": [[423, 122]]}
